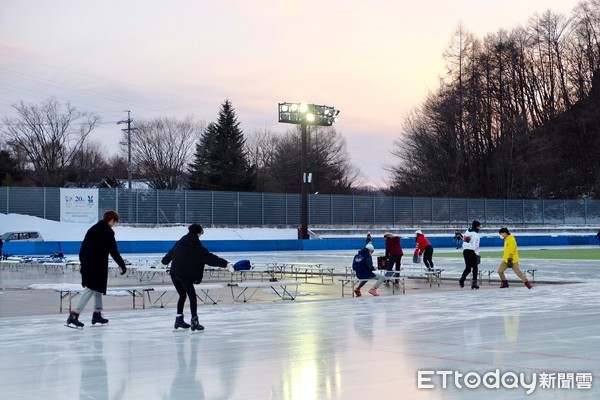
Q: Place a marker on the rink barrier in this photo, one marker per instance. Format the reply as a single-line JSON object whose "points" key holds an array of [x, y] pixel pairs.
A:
{"points": [[162, 246]]}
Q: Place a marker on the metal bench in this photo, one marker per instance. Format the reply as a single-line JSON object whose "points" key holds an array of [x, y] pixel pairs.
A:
{"points": [[390, 276], [205, 293], [248, 289]]}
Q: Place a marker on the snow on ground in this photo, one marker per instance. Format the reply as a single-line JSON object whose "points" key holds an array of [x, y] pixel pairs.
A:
{"points": [[57, 231]]}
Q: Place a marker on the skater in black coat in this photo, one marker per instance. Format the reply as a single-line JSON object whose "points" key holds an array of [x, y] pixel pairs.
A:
{"points": [[188, 258], [98, 243]]}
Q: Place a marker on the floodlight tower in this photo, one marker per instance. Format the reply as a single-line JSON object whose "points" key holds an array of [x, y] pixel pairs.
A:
{"points": [[306, 114]]}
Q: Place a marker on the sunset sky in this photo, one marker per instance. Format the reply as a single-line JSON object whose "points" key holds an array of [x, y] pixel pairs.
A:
{"points": [[374, 60]]}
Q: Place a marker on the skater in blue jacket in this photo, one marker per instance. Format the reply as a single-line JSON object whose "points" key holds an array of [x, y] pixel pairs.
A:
{"points": [[362, 264]]}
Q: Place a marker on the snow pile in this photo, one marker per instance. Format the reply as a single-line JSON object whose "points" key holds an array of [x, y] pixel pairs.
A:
{"points": [[57, 231]]}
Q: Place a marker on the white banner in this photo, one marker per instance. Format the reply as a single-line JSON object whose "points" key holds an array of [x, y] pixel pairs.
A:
{"points": [[79, 205]]}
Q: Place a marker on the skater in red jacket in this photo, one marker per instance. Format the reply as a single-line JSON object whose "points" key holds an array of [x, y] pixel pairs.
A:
{"points": [[393, 252], [425, 249]]}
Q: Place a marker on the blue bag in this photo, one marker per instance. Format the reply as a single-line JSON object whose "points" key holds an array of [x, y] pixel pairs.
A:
{"points": [[242, 265]]}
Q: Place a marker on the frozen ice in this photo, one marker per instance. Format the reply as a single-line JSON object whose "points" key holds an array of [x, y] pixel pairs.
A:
{"points": [[334, 348]]}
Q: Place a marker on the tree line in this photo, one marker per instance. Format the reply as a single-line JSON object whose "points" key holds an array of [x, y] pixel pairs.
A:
{"points": [[47, 145], [515, 116]]}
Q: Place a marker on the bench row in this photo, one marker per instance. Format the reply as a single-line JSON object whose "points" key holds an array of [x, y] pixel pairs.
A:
{"points": [[208, 293]]}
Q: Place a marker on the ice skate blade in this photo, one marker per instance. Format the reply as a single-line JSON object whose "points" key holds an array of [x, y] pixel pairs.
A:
{"points": [[74, 327]]}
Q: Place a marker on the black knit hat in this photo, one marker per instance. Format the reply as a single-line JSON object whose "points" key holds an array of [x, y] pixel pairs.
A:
{"points": [[196, 228], [476, 224]]}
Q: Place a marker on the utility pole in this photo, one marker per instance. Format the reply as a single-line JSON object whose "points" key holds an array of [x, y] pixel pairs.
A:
{"points": [[128, 130]]}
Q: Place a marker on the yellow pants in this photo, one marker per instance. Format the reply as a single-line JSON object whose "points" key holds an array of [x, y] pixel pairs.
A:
{"points": [[515, 268]]}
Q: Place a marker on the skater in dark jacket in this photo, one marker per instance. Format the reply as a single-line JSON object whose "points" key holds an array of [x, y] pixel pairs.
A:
{"points": [[362, 264], [98, 243], [188, 258]]}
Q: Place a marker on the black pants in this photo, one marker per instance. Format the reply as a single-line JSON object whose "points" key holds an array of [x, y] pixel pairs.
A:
{"points": [[185, 287], [428, 257], [394, 260], [470, 265]]}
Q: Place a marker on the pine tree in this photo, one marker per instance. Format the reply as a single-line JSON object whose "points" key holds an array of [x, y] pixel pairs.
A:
{"points": [[220, 161]]}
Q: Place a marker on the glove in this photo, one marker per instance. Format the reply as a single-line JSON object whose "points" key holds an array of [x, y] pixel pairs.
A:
{"points": [[229, 268], [478, 259], [160, 265], [123, 270], [509, 263]]}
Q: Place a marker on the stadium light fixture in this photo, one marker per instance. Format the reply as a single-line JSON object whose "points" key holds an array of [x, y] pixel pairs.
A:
{"points": [[306, 114]]}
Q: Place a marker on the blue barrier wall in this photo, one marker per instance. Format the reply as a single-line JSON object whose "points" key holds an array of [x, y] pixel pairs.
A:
{"points": [[160, 246]]}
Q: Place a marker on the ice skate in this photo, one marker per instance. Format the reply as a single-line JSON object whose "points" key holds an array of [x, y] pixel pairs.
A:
{"points": [[73, 321], [504, 284], [97, 318], [357, 292], [529, 285], [180, 323], [474, 285], [196, 325], [373, 292], [461, 283]]}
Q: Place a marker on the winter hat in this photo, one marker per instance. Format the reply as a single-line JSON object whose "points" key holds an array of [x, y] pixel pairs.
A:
{"points": [[418, 232], [387, 235], [476, 224], [196, 228], [370, 247]]}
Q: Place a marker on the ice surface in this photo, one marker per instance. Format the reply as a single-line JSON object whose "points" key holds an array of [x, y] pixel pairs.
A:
{"points": [[350, 348]]}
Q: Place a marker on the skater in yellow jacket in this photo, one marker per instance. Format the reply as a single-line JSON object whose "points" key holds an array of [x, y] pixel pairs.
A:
{"points": [[510, 259]]}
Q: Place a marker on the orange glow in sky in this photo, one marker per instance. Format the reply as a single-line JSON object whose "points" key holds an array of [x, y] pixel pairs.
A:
{"points": [[375, 60]]}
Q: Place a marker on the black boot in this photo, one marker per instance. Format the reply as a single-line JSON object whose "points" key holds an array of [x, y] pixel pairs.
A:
{"points": [[196, 325], [461, 282], [474, 285], [73, 319], [180, 323], [97, 318]]}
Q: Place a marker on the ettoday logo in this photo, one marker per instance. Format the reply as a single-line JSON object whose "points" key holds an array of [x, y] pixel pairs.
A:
{"points": [[497, 379]]}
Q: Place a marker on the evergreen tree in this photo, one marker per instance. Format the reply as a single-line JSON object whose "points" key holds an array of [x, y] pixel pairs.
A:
{"points": [[9, 169], [220, 161]]}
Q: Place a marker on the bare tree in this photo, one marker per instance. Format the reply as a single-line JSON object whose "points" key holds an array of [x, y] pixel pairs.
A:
{"points": [[328, 161], [161, 149], [261, 147], [49, 136], [89, 165]]}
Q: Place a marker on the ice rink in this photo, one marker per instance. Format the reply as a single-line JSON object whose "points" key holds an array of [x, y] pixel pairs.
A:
{"points": [[412, 346]]}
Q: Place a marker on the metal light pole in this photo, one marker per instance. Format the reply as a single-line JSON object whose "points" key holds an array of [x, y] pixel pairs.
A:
{"points": [[304, 115], [128, 121], [303, 234]]}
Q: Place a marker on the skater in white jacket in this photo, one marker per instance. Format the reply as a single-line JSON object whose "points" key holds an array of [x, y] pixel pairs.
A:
{"points": [[471, 254]]}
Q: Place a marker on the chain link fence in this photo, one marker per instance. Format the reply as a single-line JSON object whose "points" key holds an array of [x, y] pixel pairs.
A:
{"points": [[211, 208]]}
